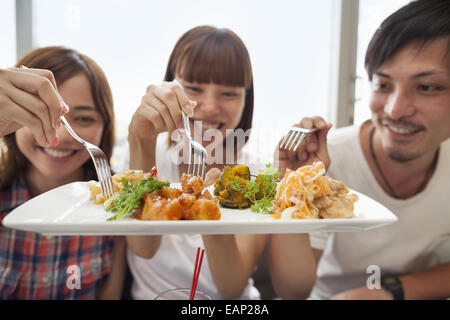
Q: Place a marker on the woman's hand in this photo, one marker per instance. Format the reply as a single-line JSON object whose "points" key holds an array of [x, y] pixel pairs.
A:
{"points": [[313, 148], [160, 111], [29, 98], [211, 176]]}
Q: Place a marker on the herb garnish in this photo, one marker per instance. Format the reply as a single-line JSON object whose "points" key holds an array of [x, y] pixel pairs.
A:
{"points": [[131, 194], [261, 191]]}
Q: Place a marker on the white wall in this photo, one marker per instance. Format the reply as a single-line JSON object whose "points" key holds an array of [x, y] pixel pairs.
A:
{"points": [[7, 33], [288, 41]]}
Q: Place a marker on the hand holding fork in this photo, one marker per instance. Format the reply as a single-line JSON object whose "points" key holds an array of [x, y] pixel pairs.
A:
{"points": [[98, 157], [29, 98], [304, 144], [164, 108]]}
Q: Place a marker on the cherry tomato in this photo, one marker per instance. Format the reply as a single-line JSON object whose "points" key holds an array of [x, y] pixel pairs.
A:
{"points": [[153, 172]]}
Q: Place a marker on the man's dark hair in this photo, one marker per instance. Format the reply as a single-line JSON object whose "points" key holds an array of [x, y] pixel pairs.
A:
{"points": [[420, 21]]}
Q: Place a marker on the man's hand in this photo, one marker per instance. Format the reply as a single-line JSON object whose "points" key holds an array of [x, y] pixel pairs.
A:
{"points": [[313, 148], [364, 293]]}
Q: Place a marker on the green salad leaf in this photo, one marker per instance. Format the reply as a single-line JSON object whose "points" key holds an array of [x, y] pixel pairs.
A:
{"points": [[269, 170], [261, 191], [131, 194], [268, 178]]}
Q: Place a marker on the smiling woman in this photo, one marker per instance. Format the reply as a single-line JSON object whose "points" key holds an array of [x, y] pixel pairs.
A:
{"points": [[213, 66], [30, 166], [86, 90], [62, 162]]}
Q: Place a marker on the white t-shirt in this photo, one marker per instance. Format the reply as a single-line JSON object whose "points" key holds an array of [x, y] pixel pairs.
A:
{"points": [[405, 247], [173, 264]]}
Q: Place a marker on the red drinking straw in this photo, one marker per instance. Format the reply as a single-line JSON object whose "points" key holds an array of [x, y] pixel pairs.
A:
{"points": [[198, 266]]}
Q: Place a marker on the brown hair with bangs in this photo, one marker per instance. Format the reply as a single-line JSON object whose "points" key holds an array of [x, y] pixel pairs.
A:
{"points": [[64, 63], [206, 54]]}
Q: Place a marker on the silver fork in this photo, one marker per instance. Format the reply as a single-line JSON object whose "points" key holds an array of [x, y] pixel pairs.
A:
{"points": [[197, 154], [98, 157], [294, 137], [100, 162]]}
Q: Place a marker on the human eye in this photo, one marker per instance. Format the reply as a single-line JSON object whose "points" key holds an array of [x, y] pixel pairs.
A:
{"points": [[85, 120], [230, 94], [193, 89], [429, 88], [380, 86]]}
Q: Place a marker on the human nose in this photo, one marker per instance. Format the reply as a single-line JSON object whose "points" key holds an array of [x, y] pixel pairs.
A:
{"points": [[209, 104], [399, 104]]}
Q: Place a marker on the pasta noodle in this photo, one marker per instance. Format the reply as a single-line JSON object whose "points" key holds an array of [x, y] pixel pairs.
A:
{"points": [[307, 194]]}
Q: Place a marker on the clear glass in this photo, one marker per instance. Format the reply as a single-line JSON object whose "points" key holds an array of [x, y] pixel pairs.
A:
{"points": [[181, 294]]}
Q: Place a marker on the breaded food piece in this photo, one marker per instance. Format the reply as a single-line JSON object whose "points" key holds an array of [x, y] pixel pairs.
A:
{"points": [[157, 208], [203, 209], [191, 184], [170, 193]]}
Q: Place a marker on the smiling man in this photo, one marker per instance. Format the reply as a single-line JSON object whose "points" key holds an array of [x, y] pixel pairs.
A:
{"points": [[401, 158]]}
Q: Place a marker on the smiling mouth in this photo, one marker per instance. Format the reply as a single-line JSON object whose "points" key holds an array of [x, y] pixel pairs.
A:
{"points": [[401, 127], [205, 125], [402, 130], [58, 153]]}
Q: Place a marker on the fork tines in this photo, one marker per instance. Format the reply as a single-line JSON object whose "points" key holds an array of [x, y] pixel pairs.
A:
{"points": [[100, 161], [198, 154], [294, 137], [197, 159], [106, 181], [103, 170]]}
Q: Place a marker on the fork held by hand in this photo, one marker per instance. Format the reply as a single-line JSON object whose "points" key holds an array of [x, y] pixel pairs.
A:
{"points": [[98, 157], [100, 162], [294, 137], [197, 154]]}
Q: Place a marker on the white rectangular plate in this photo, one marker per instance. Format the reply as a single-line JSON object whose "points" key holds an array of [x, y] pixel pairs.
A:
{"points": [[67, 210]]}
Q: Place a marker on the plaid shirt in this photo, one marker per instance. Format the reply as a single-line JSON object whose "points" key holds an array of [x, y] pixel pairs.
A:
{"points": [[33, 266]]}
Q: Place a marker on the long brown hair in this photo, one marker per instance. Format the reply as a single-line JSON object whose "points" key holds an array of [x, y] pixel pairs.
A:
{"points": [[207, 54], [64, 63]]}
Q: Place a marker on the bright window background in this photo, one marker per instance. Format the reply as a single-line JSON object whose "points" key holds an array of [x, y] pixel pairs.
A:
{"points": [[371, 14], [7, 33], [289, 44]]}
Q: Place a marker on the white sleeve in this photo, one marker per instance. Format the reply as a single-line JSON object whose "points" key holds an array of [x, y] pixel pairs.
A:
{"points": [[318, 240]]}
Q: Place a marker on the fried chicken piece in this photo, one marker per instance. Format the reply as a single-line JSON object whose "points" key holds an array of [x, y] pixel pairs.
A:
{"points": [[189, 203], [336, 187], [338, 203], [203, 209], [170, 193], [323, 202], [341, 207], [187, 200], [191, 184], [206, 195], [157, 208]]}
